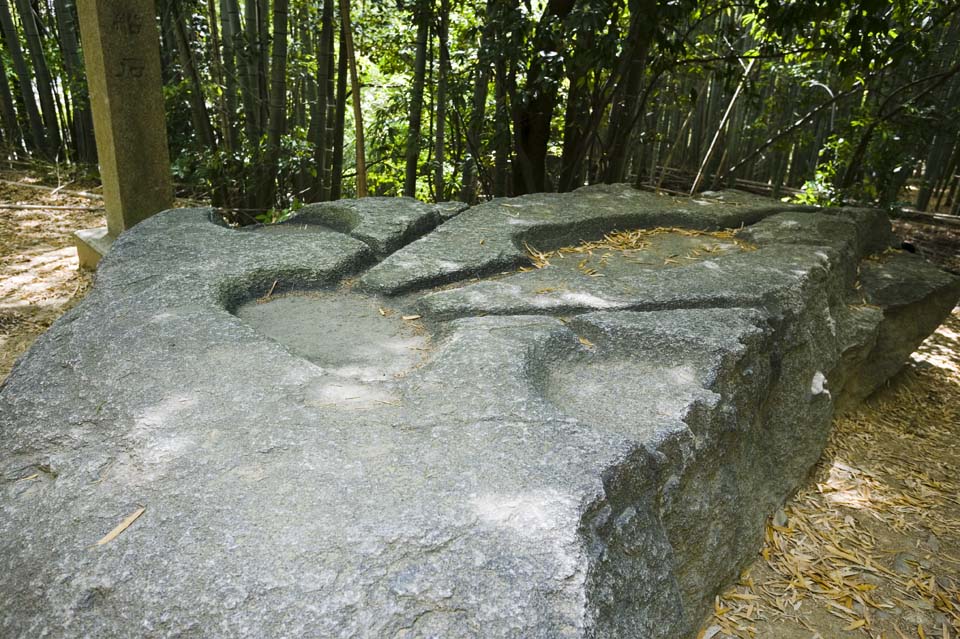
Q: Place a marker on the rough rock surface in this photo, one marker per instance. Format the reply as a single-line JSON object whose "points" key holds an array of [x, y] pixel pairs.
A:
{"points": [[491, 237], [549, 453], [383, 223]]}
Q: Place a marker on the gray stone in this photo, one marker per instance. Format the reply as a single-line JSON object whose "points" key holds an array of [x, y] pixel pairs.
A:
{"points": [[491, 237], [913, 296], [447, 210], [855, 231], [539, 454], [383, 223]]}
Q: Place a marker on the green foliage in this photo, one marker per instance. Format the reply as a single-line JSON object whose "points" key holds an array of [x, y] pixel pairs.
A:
{"points": [[821, 190], [844, 97], [275, 216]]}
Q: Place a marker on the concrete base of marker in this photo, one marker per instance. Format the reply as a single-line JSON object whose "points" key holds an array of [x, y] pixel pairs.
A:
{"points": [[92, 244]]}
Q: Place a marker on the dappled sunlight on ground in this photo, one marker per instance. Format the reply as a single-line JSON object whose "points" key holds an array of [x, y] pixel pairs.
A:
{"points": [[38, 278], [941, 350], [39, 274]]}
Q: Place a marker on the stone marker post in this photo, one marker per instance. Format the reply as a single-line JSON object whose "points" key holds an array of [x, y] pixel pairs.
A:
{"points": [[121, 49]]}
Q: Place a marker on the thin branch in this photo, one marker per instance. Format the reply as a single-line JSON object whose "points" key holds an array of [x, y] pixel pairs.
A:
{"points": [[790, 129], [720, 127], [42, 207], [735, 57]]}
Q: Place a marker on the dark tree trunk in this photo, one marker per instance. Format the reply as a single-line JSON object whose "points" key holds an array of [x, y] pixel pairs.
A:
{"points": [[347, 44], [267, 192], [331, 140], [574, 131], [319, 117], [441, 100], [11, 128], [168, 50], [250, 78], [38, 137], [534, 114], [263, 60], [501, 134], [336, 178], [230, 29], [198, 106], [422, 18], [86, 146], [626, 100], [471, 167], [227, 132], [42, 76]]}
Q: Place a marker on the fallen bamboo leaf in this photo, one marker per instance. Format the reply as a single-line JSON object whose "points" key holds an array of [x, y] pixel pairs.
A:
{"points": [[585, 342], [123, 525], [743, 596], [709, 633]]}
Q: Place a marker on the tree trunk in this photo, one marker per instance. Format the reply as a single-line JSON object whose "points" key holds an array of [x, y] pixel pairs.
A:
{"points": [[574, 131], [501, 134], [422, 18], [168, 50], [267, 192], [721, 127], [227, 132], [86, 146], [38, 138], [263, 60], [336, 170], [626, 102], [11, 128], [441, 101], [330, 140], [471, 168], [535, 112], [42, 76], [319, 119], [478, 106], [198, 106], [938, 158], [250, 78], [347, 44], [230, 30]]}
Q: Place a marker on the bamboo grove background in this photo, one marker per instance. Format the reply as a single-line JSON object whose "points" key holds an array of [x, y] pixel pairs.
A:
{"points": [[271, 103]]}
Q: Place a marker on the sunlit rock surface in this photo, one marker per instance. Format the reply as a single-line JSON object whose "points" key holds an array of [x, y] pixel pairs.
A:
{"points": [[337, 430]]}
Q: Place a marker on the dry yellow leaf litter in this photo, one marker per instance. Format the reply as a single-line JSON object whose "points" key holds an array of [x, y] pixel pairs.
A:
{"points": [[634, 240], [871, 548]]}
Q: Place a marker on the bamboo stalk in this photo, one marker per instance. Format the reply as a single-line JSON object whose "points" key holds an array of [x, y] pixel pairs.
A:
{"points": [[723, 123]]}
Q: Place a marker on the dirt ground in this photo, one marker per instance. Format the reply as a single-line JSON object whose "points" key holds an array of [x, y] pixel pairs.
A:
{"points": [[39, 276], [869, 548]]}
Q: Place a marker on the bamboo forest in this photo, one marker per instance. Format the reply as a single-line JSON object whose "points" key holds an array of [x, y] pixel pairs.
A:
{"points": [[272, 104]]}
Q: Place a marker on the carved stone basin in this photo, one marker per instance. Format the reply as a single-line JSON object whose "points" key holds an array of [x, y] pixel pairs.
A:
{"points": [[383, 421]]}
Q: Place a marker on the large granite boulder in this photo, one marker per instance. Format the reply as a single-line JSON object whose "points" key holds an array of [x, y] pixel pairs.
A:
{"points": [[338, 431]]}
